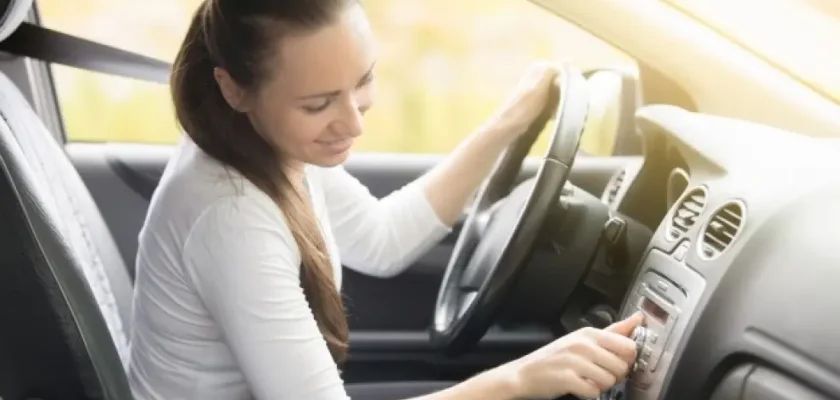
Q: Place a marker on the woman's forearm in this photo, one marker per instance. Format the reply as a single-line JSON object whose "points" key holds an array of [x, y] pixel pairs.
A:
{"points": [[450, 185]]}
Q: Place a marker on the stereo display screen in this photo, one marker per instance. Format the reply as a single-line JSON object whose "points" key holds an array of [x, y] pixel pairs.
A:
{"points": [[654, 310]]}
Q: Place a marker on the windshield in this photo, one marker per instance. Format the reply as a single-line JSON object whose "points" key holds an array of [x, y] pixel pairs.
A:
{"points": [[800, 37]]}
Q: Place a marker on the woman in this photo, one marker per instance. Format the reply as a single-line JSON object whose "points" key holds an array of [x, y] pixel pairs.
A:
{"points": [[239, 264]]}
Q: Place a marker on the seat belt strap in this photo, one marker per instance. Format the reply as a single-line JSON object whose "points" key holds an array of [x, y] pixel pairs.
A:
{"points": [[34, 41]]}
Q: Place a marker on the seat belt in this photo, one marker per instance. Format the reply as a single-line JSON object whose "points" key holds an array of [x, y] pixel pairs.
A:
{"points": [[34, 41]]}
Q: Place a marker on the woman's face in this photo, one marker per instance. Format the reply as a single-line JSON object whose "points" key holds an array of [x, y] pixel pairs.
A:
{"points": [[318, 88]]}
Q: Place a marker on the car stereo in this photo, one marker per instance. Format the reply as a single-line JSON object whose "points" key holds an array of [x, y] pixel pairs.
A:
{"points": [[662, 302], [666, 292]]}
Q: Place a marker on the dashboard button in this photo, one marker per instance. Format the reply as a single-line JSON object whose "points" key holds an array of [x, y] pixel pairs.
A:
{"points": [[639, 336], [646, 352], [652, 338], [680, 252], [640, 367]]}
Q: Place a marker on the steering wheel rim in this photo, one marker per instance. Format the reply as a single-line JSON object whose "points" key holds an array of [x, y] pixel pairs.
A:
{"points": [[501, 229]]}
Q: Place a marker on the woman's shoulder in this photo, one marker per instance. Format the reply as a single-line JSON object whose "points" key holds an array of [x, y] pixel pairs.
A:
{"points": [[192, 174], [194, 186]]}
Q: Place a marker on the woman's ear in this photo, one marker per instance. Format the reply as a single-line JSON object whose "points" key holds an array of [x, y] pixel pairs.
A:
{"points": [[234, 94]]}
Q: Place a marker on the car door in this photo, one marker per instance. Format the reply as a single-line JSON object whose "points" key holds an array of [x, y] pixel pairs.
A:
{"points": [[119, 134]]}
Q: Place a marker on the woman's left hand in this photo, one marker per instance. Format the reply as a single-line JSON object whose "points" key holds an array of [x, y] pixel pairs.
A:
{"points": [[450, 185], [525, 103]]}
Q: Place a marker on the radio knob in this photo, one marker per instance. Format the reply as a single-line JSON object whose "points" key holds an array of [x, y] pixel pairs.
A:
{"points": [[639, 336]]}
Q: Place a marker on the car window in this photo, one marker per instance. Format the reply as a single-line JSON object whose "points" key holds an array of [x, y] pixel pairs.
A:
{"points": [[445, 66], [797, 36]]}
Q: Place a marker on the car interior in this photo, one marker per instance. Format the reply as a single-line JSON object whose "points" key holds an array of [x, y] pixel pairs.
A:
{"points": [[715, 216]]}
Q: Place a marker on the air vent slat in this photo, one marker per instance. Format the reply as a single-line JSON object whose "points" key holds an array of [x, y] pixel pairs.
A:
{"points": [[694, 207], [717, 241], [682, 223], [732, 215], [729, 224], [722, 229], [686, 212]]}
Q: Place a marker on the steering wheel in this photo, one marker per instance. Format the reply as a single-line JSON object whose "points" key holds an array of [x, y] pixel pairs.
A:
{"points": [[502, 227]]}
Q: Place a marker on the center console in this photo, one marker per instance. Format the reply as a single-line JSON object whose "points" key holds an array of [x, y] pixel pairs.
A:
{"points": [[667, 292]]}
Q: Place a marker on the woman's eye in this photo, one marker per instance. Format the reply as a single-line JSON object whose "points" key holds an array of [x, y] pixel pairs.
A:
{"points": [[316, 108], [366, 80]]}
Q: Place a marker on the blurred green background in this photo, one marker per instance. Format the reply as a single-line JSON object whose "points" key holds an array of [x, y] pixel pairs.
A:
{"points": [[445, 66]]}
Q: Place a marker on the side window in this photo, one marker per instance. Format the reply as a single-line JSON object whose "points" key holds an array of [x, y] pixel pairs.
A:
{"points": [[97, 107], [444, 67]]}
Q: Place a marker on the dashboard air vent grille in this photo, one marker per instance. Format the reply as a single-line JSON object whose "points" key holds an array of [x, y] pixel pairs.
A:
{"points": [[686, 212], [722, 229], [617, 182]]}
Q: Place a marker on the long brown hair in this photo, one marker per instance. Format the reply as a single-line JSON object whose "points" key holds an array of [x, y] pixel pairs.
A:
{"points": [[239, 36]]}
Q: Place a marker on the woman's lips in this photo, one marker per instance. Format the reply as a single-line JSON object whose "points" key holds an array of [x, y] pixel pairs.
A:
{"points": [[336, 146]]}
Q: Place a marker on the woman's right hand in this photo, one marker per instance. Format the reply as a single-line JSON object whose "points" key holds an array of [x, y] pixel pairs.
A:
{"points": [[584, 363]]}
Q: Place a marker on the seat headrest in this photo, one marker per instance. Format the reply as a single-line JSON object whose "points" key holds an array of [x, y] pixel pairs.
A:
{"points": [[12, 14]]}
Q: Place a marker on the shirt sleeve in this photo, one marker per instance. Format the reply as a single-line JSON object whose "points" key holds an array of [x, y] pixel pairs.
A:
{"points": [[379, 237], [245, 265]]}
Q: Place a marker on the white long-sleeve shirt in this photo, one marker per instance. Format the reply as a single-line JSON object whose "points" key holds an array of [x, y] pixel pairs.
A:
{"points": [[219, 312]]}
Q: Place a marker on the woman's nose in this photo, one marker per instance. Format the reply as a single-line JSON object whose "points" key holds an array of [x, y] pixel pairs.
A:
{"points": [[352, 119]]}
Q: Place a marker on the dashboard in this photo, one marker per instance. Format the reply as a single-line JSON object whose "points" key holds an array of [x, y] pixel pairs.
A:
{"points": [[738, 283]]}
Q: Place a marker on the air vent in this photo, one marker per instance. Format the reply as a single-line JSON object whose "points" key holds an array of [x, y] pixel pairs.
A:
{"points": [[689, 207], [615, 186], [722, 229]]}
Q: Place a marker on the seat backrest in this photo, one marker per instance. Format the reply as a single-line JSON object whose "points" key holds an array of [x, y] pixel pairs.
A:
{"points": [[65, 293]]}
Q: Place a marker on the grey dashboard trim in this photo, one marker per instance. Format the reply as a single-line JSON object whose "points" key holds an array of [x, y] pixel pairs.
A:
{"points": [[779, 266]]}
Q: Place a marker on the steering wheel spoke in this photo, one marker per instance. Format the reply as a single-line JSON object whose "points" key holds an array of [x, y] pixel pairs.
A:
{"points": [[466, 301], [473, 277]]}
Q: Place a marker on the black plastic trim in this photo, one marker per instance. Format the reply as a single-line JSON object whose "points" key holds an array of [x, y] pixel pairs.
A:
{"points": [[144, 186]]}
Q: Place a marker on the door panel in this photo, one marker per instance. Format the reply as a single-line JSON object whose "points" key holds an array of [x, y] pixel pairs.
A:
{"points": [[388, 317]]}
